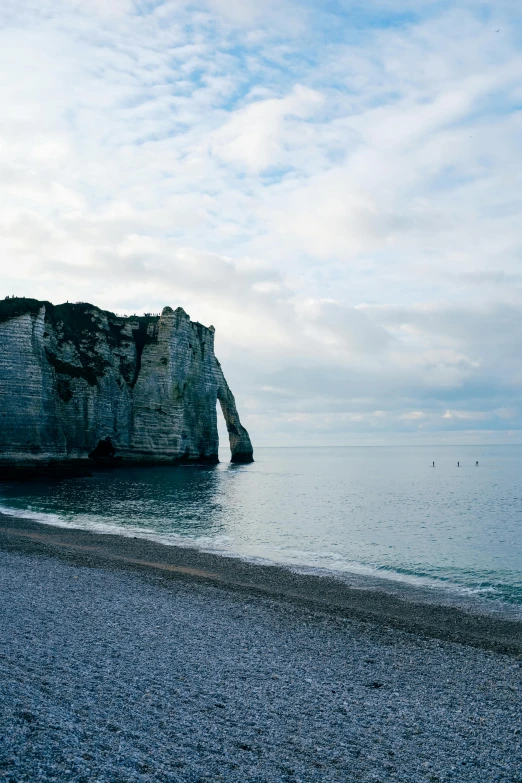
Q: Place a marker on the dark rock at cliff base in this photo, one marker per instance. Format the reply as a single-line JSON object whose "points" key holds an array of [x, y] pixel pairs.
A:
{"points": [[73, 377], [104, 450], [52, 470], [242, 456]]}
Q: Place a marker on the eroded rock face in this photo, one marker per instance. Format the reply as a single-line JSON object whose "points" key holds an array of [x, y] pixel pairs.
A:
{"points": [[74, 375]]}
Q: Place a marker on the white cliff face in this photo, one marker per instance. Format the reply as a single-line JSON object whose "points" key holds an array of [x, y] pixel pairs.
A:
{"points": [[73, 375], [29, 411]]}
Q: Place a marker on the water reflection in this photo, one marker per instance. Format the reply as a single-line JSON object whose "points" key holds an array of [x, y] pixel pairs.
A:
{"points": [[186, 500]]}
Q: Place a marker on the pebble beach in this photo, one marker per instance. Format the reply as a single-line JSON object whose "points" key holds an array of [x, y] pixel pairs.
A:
{"points": [[123, 662]]}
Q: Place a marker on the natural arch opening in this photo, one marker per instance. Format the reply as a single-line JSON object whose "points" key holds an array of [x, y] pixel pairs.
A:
{"points": [[240, 446]]}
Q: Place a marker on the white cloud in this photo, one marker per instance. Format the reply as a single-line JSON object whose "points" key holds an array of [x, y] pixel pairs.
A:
{"points": [[345, 328], [473, 415], [413, 416], [343, 203], [102, 7], [264, 133]]}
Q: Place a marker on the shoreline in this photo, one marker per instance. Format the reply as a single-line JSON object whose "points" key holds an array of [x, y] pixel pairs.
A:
{"points": [[405, 607], [423, 589]]}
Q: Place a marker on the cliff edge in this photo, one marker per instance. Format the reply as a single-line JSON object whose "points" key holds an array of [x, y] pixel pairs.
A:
{"points": [[74, 378]]}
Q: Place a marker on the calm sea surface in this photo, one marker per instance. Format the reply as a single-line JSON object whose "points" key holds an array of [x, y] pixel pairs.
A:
{"points": [[373, 511]]}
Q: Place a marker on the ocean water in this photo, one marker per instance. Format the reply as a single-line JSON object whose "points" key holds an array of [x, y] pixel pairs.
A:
{"points": [[375, 511]]}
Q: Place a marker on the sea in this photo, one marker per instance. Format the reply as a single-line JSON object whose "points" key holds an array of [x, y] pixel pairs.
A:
{"points": [[381, 513]]}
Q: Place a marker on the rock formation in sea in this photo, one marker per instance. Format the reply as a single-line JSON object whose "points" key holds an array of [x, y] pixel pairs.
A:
{"points": [[72, 376]]}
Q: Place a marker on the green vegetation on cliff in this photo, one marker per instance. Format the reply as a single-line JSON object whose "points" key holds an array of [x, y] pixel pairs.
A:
{"points": [[82, 324], [17, 306]]}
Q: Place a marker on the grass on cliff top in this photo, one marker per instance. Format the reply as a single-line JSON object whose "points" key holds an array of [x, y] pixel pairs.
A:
{"points": [[70, 313], [74, 318], [13, 308]]}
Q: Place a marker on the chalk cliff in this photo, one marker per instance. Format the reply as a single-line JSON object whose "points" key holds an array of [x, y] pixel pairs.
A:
{"points": [[72, 375]]}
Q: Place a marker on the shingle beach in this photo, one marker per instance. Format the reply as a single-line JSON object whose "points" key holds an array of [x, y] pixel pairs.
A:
{"points": [[120, 664]]}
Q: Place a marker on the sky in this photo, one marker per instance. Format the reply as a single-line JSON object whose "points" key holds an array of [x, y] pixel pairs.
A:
{"points": [[336, 186]]}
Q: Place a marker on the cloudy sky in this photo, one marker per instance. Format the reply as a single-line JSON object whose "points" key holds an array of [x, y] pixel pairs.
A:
{"points": [[336, 185]]}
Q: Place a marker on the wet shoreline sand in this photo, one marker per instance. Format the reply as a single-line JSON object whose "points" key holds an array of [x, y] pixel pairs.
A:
{"points": [[387, 605]]}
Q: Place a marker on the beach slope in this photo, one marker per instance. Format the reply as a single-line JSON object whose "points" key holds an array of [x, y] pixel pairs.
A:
{"points": [[120, 664]]}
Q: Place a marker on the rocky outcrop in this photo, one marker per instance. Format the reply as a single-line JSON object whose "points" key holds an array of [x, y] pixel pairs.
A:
{"points": [[73, 375]]}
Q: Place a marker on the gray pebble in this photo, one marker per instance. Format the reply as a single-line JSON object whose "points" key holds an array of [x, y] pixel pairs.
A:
{"points": [[110, 677]]}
